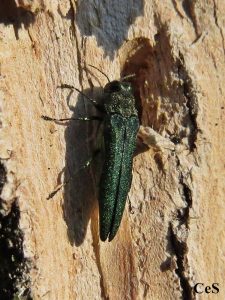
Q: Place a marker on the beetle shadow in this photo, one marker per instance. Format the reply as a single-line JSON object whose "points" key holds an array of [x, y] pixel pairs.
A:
{"points": [[80, 190]]}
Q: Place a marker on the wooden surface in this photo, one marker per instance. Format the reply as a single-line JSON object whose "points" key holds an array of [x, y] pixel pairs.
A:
{"points": [[172, 233]]}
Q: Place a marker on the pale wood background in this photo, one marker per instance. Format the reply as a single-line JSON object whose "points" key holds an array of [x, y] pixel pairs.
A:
{"points": [[172, 234]]}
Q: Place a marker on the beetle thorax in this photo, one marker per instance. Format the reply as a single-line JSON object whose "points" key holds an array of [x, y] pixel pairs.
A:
{"points": [[122, 102]]}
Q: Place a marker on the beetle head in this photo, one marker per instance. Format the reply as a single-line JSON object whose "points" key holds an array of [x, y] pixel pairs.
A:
{"points": [[118, 86]]}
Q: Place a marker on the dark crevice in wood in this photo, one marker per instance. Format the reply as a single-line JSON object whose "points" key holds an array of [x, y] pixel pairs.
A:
{"points": [[191, 102], [180, 251], [179, 243], [14, 279]]}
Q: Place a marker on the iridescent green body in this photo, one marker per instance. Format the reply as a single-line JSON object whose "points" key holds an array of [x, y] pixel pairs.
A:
{"points": [[120, 129]]}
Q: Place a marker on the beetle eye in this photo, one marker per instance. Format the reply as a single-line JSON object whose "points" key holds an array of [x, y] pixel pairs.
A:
{"points": [[115, 86]]}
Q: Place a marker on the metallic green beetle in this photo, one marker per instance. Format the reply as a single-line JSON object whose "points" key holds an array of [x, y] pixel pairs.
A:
{"points": [[121, 125]]}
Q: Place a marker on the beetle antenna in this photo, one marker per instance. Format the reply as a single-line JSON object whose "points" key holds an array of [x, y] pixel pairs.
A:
{"points": [[127, 77], [100, 72]]}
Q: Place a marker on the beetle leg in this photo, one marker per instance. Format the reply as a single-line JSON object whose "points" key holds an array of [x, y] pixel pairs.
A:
{"points": [[91, 118], [86, 165]]}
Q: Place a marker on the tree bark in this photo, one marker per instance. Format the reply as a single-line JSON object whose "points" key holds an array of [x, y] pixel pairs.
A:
{"points": [[172, 233]]}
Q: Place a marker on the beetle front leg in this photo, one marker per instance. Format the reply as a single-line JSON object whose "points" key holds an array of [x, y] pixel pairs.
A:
{"points": [[46, 118]]}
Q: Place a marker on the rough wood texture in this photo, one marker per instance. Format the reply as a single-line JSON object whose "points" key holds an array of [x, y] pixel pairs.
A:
{"points": [[172, 234]]}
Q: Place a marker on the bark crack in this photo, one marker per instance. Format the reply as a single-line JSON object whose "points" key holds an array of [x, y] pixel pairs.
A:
{"points": [[191, 102], [218, 26], [178, 235], [180, 251], [74, 31], [189, 8], [192, 113], [174, 2], [98, 263]]}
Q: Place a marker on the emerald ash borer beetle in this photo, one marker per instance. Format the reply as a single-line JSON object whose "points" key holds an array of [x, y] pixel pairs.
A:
{"points": [[120, 123]]}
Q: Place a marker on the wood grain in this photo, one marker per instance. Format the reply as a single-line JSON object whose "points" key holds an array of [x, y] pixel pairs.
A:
{"points": [[172, 235]]}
